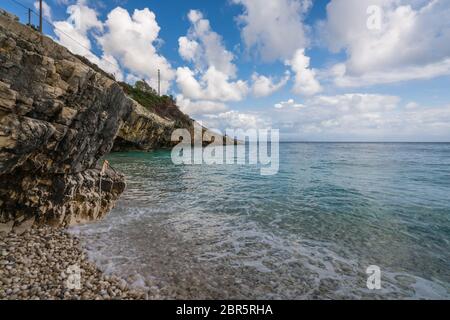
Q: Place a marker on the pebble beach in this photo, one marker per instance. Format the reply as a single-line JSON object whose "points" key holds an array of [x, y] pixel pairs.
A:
{"points": [[47, 263]]}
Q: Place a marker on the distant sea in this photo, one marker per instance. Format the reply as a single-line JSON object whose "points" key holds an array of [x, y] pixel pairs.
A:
{"points": [[309, 232]]}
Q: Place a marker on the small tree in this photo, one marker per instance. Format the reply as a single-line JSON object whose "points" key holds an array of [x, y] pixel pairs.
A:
{"points": [[143, 86]]}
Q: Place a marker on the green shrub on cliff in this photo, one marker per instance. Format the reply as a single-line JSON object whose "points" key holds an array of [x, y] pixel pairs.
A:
{"points": [[164, 105], [146, 95]]}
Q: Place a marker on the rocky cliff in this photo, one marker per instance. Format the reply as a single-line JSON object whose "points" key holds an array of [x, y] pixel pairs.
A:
{"points": [[59, 115], [150, 124]]}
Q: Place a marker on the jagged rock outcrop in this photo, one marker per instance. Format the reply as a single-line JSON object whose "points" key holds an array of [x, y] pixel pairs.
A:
{"points": [[144, 130], [148, 130], [58, 117]]}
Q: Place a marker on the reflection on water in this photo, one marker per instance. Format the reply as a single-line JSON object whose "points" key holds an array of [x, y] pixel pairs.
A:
{"points": [[308, 232]]}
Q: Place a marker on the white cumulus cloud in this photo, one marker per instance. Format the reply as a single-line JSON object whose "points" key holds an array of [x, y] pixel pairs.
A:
{"points": [[410, 43], [212, 77], [236, 120], [288, 104], [274, 28], [305, 77], [46, 9], [200, 107], [213, 85], [204, 47], [361, 117], [74, 32], [264, 86], [132, 40], [189, 50]]}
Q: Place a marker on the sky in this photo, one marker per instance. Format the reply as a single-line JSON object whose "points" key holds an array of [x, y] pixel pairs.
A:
{"points": [[317, 70]]}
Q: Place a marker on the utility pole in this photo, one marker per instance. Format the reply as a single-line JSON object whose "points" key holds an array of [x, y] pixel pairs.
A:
{"points": [[159, 82], [29, 17], [40, 16]]}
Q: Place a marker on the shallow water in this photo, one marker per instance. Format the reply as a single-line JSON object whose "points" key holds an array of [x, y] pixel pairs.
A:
{"points": [[308, 232]]}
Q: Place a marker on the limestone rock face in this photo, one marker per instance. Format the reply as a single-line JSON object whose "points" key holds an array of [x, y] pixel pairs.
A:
{"points": [[144, 130], [59, 199], [58, 117]]}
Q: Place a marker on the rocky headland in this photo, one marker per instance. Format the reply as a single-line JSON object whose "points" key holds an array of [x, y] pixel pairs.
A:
{"points": [[59, 116]]}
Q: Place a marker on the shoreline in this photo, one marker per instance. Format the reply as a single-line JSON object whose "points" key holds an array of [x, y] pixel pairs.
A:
{"points": [[48, 263]]}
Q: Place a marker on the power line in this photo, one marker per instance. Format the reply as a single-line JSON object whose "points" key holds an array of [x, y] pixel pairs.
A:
{"points": [[40, 16], [114, 65], [159, 82], [56, 28]]}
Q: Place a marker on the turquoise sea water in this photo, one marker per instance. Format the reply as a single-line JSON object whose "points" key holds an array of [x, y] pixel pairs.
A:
{"points": [[311, 231]]}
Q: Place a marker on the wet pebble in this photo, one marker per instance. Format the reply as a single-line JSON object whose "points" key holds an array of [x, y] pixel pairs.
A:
{"points": [[47, 263]]}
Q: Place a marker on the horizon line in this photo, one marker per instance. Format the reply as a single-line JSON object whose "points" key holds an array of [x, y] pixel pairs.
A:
{"points": [[330, 141]]}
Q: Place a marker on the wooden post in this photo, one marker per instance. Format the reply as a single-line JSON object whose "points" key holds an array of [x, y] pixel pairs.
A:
{"points": [[40, 16], [159, 82]]}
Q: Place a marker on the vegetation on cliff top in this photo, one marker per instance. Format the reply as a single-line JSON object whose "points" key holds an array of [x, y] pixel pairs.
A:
{"points": [[146, 95], [163, 106]]}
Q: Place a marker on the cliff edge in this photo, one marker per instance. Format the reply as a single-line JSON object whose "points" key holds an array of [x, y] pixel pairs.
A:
{"points": [[59, 115]]}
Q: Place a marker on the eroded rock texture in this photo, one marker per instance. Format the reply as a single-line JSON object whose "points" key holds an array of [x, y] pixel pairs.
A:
{"points": [[58, 117], [144, 130]]}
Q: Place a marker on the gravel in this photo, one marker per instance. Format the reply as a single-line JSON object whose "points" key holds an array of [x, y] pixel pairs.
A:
{"points": [[50, 264]]}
